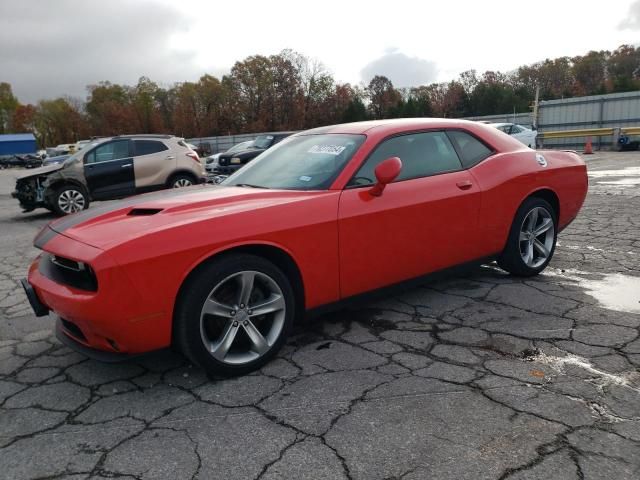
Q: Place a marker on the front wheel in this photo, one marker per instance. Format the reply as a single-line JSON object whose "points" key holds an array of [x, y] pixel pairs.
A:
{"points": [[234, 314], [69, 199], [532, 239]]}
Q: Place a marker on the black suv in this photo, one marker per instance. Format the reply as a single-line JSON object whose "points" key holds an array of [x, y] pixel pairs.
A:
{"points": [[228, 163]]}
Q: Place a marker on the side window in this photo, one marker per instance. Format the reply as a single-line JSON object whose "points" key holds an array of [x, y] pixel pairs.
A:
{"points": [[515, 129], [147, 147], [116, 150], [504, 128], [472, 151], [422, 155]]}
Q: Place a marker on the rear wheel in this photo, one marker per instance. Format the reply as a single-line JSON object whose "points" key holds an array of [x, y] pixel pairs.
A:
{"points": [[234, 315], [181, 180], [532, 239], [69, 199]]}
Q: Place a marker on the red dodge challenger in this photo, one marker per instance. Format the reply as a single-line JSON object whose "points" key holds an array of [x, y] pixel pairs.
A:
{"points": [[222, 272]]}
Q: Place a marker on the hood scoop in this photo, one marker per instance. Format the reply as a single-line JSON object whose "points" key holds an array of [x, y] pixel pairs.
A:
{"points": [[144, 212]]}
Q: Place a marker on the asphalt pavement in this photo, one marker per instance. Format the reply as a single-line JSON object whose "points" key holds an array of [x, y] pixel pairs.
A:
{"points": [[475, 376]]}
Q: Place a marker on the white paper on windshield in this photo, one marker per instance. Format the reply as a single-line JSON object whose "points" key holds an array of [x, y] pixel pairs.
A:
{"points": [[327, 149]]}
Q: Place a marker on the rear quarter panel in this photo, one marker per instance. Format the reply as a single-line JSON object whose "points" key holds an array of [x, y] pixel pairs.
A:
{"points": [[507, 179]]}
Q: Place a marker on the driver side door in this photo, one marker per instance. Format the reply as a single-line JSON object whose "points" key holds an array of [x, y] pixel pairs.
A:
{"points": [[424, 221], [108, 169]]}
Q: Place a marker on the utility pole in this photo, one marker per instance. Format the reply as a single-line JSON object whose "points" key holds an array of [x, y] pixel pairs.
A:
{"points": [[535, 108]]}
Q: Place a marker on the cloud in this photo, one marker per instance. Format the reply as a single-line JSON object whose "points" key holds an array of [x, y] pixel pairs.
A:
{"points": [[632, 20], [58, 48], [402, 70]]}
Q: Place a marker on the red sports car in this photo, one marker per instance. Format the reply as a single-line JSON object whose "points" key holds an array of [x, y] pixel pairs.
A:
{"points": [[222, 272]]}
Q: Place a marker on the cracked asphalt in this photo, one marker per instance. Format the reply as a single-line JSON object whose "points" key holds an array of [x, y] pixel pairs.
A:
{"points": [[478, 376]]}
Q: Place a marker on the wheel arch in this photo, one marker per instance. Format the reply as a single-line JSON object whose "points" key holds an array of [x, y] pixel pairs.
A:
{"points": [[59, 182], [549, 196], [182, 171], [273, 253]]}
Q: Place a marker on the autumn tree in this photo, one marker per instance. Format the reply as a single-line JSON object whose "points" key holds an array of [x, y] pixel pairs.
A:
{"points": [[383, 97], [24, 119], [109, 110], [8, 105], [623, 67], [590, 73], [59, 121]]}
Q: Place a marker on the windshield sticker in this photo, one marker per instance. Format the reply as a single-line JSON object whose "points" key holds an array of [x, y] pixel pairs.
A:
{"points": [[305, 178], [327, 149]]}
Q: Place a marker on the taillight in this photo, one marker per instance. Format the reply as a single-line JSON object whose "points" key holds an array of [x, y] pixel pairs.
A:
{"points": [[193, 156]]}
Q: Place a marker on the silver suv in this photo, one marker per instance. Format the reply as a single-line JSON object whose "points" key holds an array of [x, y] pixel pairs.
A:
{"points": [[111, 168]]}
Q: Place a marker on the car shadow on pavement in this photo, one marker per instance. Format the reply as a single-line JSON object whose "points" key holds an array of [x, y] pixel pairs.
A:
{"points": [[34, 216]]}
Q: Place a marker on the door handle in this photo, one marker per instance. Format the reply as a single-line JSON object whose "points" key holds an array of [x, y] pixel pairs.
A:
{"points": [[126, 165], [170, 157], [464, 185]]}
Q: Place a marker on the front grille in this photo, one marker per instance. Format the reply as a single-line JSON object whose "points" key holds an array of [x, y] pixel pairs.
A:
{"points": [[73, 329], [68, 272]]}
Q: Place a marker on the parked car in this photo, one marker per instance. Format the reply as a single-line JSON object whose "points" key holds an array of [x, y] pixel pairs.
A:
{"points": [[228, 163], [110, 168], [68, 148], [54, 160], [522, 134], [80, 144], [211, 162], [223, 271], [28, 160]]}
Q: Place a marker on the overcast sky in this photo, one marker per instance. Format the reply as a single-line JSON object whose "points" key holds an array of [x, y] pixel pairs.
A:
{"points": [[57, 47]]}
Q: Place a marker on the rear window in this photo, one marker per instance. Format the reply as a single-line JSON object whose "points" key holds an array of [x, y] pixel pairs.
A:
{"points": [[471, 150], [147, 147]]}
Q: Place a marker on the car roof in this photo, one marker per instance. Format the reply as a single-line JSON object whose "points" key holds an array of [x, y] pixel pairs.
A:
{"points": [[371, 126], [145, 135]]}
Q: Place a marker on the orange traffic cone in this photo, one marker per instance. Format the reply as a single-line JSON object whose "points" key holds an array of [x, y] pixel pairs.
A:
{"points": [[588, 149]]}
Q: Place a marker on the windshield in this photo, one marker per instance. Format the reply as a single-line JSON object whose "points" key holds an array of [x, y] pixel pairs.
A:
{"points": [[305, 162], [80, 153], [239, 147], [262, 141]]}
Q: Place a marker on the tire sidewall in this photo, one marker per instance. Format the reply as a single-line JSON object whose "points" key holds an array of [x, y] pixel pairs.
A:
{"points": [[511, 259], [187, 319]]}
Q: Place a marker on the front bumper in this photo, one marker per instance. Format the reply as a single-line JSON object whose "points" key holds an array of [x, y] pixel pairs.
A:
{"points": [[226, 169], [114, 318], [101, 355], [39, 308]]}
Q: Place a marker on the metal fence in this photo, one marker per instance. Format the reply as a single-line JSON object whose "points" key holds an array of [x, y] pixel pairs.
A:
{"points": [[613, 110], [596, 111], [211, 145]]}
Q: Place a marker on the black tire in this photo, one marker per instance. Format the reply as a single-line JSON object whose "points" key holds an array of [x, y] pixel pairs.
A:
{"points": [[511, 258], [176, 180], [198, 289], [69, 191]]}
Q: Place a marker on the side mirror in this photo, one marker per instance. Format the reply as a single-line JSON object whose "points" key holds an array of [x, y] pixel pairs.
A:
{"points": [[386, 172]]}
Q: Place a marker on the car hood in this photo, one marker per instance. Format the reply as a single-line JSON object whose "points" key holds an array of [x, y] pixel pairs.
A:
{"points": [[243, 154], [40, 171], [114, 223]]}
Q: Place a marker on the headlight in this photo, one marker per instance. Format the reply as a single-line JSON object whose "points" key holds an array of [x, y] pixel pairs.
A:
{"points": [[235, 161]]}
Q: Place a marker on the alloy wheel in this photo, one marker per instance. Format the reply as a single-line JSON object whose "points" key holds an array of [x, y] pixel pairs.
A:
{"points": [[182, 182], [71, 201], [242, 317], [537, 234]]}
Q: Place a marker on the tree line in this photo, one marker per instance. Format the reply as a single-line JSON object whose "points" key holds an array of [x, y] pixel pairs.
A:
{"points": [[289, 91]]}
